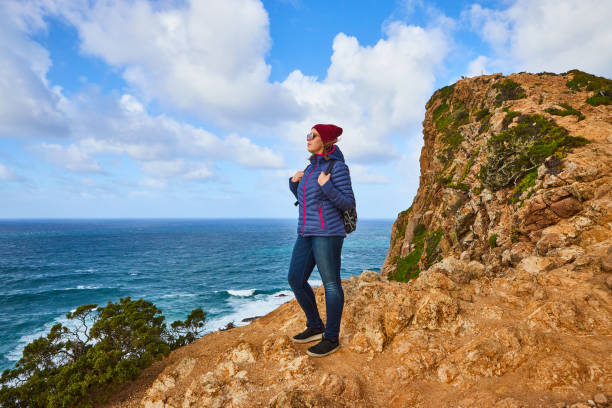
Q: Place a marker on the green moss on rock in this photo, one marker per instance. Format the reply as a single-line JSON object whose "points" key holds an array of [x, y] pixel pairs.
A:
{"points": [[493, 241], [432, 250], [401, 227], [408, 266], [448, 121], [440, 110]]}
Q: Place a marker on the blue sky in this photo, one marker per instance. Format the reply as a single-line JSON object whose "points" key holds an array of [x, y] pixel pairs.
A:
{"points": [[113, 109]]}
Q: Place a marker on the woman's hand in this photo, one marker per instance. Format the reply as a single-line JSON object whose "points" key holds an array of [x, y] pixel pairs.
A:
{"points": [[323, 178], [297, 176]]}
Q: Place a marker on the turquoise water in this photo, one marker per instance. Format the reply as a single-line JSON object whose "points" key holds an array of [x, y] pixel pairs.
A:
{"points": [[231, 268]]}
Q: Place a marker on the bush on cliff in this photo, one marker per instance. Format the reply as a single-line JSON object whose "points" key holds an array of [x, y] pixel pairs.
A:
{"points": [[507, 90], [82, 366], [515, 152], [423, 241], [601, 87]]}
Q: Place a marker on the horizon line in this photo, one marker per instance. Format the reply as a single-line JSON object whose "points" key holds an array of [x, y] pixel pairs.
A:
{"points": [[163, 218]]}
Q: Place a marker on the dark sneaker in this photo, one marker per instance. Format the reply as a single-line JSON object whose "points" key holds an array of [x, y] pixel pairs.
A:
{"points": [[308, 335], [323, 348]]}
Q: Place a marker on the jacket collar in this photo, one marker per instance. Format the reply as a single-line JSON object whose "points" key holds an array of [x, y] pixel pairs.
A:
{"points": [[335, 153]]}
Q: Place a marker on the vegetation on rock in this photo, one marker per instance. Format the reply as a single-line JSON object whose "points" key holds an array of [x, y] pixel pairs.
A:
{"points": [[493, 241], [518, 150], [401, 227], [510, 115], [601, 87], [526, 183], [408, 266], [447, 118], [508, 89], [83, 366], [567, 110], [442, 93]]}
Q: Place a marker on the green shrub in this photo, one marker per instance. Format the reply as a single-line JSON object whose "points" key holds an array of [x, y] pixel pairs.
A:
{"points": [[467, 168], [482, 114], [510, 115], [442, 93], [448, 122], [516, 151], [601, 87], [431, 250], [527, 182], [408, 266], [444, 180], [567, 110], [514, 235], [419, 231], [439, 110], [401, 228], [602, 97], [493, 241], [507, 90], [82, 367], [458, 186]]}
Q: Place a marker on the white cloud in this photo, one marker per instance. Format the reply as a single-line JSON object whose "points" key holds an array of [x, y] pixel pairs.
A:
{"points": [[154, 183], [69, 157], [372, 91], [121, 124], [245, 152], [201, 173], [7, 174], [203, 57], [186, 57], [210, 59], [28, 107], [548, 35], [164, 169], [362, 174], [478, 66], [187, 170]]}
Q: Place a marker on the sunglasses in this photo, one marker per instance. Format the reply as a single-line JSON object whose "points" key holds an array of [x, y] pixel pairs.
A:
{"points": [[310, 136]]}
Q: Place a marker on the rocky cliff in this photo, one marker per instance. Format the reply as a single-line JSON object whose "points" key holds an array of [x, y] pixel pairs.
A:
{"points": [[496, 290]]}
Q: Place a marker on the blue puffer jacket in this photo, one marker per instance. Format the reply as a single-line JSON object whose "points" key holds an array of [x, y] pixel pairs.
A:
{"points": [[321, 207]]}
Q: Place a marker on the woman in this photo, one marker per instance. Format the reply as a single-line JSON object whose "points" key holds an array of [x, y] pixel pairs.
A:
{"points": [[320, 237]]}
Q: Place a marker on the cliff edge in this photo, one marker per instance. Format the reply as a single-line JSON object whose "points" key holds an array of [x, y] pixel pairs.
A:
{"points": [[496, 290]]}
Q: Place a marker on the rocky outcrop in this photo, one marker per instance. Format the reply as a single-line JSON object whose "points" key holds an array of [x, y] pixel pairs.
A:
{"points": [[496, 290]]}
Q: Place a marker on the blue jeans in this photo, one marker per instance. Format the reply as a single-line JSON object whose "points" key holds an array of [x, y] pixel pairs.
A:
{"points": [[325, 253]]}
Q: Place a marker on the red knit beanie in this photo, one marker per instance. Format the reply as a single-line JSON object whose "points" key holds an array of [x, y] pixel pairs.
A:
{"points": [[328, 132]]}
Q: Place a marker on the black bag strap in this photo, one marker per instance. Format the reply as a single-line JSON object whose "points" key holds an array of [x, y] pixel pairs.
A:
{"points": [[296, 201], [330, 166]]}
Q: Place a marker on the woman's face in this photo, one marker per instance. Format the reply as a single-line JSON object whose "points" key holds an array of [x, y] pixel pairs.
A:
{"points": [[315, 145]]}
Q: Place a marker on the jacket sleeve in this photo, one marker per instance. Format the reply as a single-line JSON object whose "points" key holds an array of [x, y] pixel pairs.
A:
{"points": [[340, 192], [293, 187]]}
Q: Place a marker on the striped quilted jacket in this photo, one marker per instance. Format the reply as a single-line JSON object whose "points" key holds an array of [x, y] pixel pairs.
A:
{"points": [[321, 207]]}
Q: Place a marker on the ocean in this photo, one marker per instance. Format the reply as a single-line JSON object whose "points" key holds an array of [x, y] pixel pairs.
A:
{"points": [[231, 268]]}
